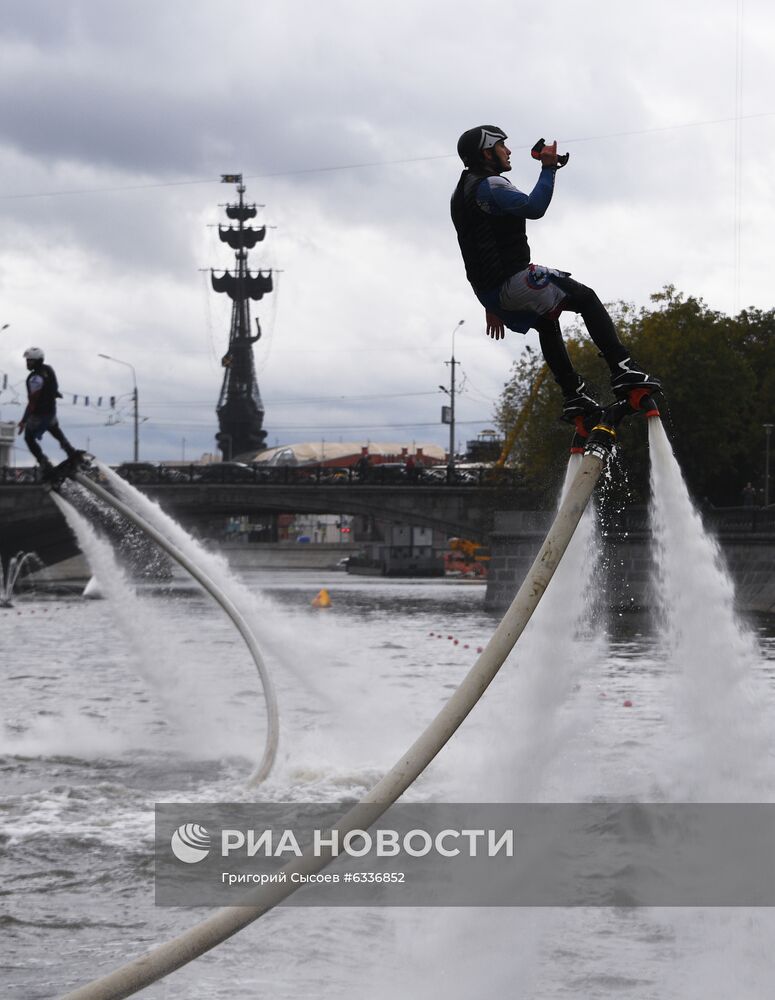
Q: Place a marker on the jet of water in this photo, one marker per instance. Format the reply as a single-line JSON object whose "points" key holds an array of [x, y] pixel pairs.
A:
{"points": [[12, 573], [713, 655]]}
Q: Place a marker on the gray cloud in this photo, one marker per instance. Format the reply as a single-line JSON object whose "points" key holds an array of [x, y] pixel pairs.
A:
{"points": [[134, 93]]}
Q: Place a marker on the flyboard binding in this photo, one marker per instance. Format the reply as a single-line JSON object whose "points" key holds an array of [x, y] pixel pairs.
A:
{"points": [[54, 475], [636, 400]]}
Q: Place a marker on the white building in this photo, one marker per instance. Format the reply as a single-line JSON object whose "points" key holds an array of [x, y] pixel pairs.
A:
{"points": [[7, 435]]}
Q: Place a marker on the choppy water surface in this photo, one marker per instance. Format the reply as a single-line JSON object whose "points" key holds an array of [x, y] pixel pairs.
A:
{"points": [[110, 706]]}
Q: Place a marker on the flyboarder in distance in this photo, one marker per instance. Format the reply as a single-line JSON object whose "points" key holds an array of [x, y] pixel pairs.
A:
{"points": [[490, 216], [41, 412]]}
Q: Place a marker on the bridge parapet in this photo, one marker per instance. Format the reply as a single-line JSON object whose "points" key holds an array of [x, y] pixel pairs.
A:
{"points": [[386, 474]]}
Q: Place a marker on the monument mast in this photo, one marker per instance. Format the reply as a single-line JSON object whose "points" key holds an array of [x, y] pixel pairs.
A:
{"points": [[240, 409]]}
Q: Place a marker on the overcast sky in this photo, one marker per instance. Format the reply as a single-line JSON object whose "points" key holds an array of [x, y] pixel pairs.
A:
{"points": [[118, 118]]}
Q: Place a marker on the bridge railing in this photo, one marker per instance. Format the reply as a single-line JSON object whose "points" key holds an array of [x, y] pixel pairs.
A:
{"points": [[25, 476], [382, 474], [221, 473]]}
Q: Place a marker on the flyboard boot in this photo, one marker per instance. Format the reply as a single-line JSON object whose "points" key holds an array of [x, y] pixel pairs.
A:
{"points": [[77, 458], [581, 409], [46, 468], [577, 400], [635, 387], [626, 376], [634, 391], [55, 475]]}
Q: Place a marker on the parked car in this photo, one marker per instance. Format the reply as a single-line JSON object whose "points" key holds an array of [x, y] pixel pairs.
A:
{"points": [[139, 473], [175, 473], [387, 472], [21, 474], [144, 473], [225, 472]]}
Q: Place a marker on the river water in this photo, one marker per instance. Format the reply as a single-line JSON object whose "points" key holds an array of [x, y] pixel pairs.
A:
{"points": [[149, 696]]}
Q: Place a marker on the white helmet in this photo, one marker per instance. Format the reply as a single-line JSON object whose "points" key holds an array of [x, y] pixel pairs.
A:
{"points": [[34, 354]]}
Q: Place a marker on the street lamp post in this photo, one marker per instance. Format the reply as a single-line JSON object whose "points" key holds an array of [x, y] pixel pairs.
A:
{"points": [[134, 400], [767, 432], [451, 393]]}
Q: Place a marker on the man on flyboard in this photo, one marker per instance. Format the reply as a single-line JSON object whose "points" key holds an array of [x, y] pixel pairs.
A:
{"points": [[41, 413], [490, 216]]}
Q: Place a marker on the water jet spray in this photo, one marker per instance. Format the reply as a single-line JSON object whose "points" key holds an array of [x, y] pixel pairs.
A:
{"points": [[264, 766]]}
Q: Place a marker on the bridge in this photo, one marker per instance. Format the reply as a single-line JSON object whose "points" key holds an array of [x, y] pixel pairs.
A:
{"points": [[457, 504], [461, 504]]}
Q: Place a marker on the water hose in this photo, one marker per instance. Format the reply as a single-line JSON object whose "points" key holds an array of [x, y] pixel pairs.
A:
{"points": [[224, 923], [270, 699]]}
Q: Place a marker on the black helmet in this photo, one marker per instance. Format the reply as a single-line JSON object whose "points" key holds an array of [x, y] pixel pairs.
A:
{"points": [[472, 143]]}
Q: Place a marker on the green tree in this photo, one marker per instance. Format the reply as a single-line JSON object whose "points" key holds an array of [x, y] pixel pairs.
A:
{"points": [[718, 374]]}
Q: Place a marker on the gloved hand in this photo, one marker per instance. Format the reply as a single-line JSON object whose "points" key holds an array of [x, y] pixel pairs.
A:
{"points": [[548, 155]]}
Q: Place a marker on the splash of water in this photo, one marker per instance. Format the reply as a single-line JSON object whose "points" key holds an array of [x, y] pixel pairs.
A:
{"points": [[714, 655], [153, 655], [176, 670], [258, 608], [347, 709]]}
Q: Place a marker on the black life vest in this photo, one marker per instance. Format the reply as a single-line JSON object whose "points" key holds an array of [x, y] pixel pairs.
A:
{"points": [[493, 246], [46, 402]]}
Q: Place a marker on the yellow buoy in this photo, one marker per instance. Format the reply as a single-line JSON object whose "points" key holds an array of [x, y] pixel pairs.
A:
{"points": [[323, 599]]}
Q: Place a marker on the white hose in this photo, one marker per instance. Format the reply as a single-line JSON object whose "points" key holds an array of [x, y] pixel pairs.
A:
{"points": [[272, 734], [156, 964]]}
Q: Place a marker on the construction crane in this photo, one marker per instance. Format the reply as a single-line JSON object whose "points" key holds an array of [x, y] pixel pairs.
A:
{"points": [[522, 417]]}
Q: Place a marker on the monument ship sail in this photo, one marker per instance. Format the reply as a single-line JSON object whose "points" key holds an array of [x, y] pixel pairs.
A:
{"points": [[240, 409]]}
